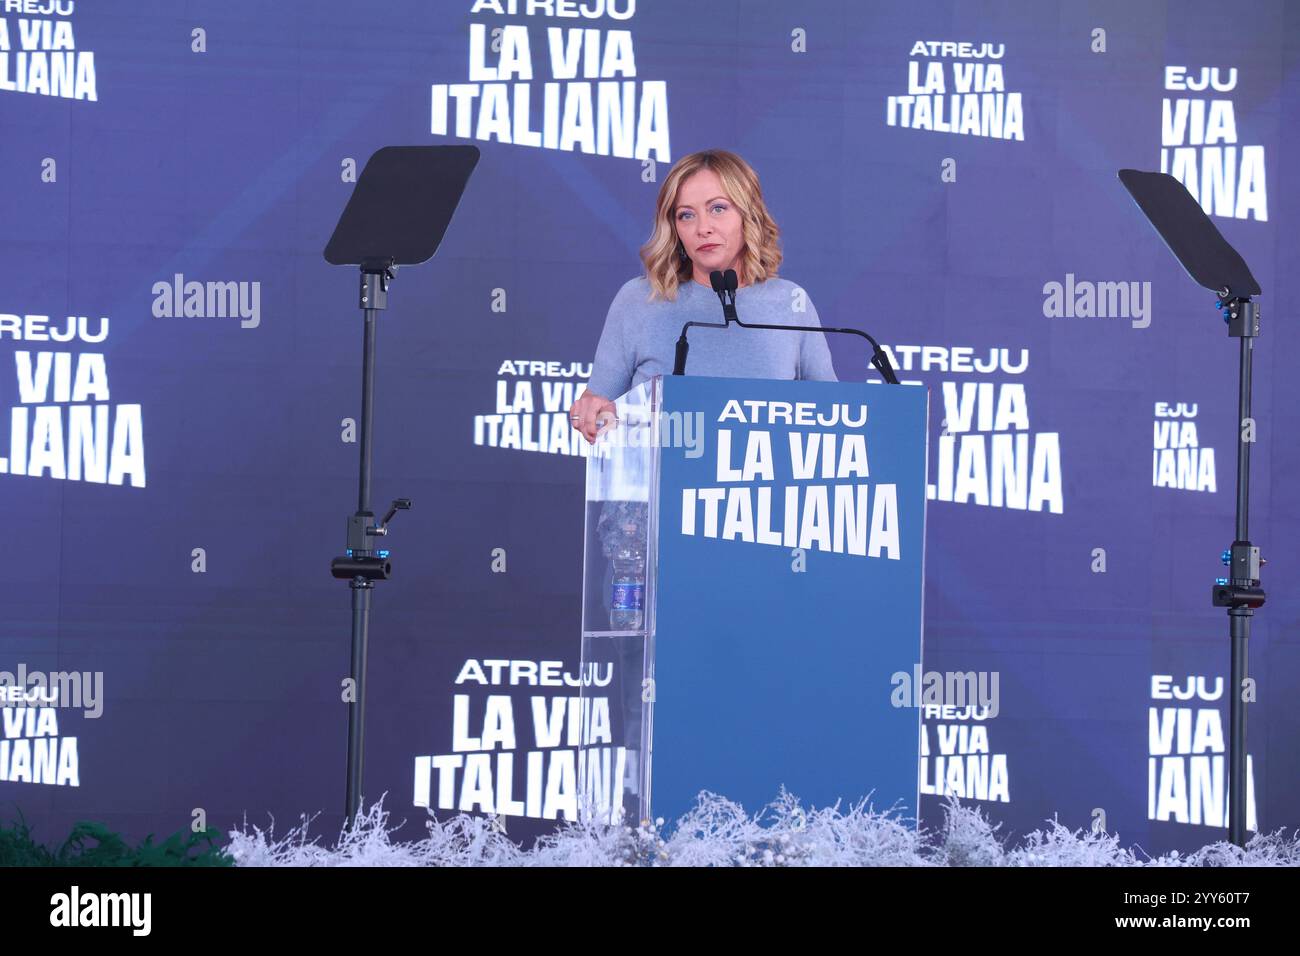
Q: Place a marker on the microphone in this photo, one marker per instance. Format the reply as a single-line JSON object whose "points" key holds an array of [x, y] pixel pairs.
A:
{"points": [[724, 284]]}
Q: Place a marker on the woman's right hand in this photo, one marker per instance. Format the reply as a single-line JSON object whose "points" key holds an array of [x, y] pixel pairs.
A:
{"points": [[590, 413]]}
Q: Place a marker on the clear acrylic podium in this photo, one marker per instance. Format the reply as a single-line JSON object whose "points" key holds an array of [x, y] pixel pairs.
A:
{"points": [[618, 626]]}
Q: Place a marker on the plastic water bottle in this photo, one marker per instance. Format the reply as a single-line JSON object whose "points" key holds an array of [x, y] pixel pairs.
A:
{"points": [[627, 600]]}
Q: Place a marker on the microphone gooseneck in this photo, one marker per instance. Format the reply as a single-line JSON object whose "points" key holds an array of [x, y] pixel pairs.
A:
{"points": [[683, 346], [725, 285]]}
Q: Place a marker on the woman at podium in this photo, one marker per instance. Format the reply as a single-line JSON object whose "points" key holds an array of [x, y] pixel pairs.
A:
{"points": [[710, 216]]}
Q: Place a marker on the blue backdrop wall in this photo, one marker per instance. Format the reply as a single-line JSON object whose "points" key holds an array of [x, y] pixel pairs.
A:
{"points": [[179, 460]]}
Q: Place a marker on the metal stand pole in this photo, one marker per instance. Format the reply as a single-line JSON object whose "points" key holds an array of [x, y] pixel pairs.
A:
{"points": [[363, 564], [1240, 592]]}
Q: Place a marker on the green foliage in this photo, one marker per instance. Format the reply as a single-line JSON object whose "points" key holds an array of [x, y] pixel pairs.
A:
{"points": [[17, 848], [93, 844]]}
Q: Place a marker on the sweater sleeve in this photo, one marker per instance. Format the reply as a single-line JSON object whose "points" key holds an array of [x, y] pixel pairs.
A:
{"points": [[615, 361], [814, 354]]}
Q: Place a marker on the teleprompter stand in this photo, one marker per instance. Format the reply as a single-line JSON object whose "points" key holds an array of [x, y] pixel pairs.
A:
{"points": [[398, 214], [1213, 264]]}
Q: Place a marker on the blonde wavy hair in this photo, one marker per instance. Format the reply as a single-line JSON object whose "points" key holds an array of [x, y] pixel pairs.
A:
{"points": [[665, 268]]}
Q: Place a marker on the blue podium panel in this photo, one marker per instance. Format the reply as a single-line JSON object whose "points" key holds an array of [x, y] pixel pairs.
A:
{"points": [[789, 591]]}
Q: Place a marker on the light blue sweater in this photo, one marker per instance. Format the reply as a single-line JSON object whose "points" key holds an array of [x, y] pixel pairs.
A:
{"points": [[639, 340]]}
